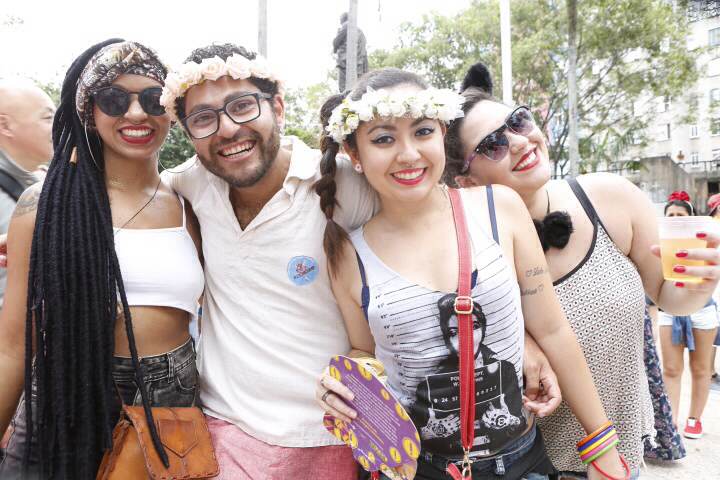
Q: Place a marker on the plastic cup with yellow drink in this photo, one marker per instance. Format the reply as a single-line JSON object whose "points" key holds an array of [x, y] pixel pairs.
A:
{"points": [[679, 234]]}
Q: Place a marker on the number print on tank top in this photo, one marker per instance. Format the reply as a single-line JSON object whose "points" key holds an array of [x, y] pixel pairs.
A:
{"points": [[499, 416]]}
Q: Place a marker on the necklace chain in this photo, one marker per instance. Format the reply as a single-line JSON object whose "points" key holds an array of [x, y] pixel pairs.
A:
{"points": [[157, 187]]}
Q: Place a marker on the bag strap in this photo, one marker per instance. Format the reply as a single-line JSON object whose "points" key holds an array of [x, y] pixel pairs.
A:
{"points": [[10, 185], [463, 311], [154, 435]]}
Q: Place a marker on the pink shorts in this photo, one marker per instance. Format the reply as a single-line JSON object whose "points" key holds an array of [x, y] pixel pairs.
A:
{"points": [[242, 457]]}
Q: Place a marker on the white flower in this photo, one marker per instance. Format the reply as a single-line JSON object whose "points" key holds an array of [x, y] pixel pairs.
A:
{"points": [[213, 68], [191, 73], [364, 111], [431, 110], [397, 107], [352, 121], [260, 68], [415, 107], [383, 109], [443, 105], [172, 84], [238, 67]]}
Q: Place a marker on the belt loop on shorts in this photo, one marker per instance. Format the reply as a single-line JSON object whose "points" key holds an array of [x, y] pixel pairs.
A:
{"points": [[499, 466], [171, 365]]}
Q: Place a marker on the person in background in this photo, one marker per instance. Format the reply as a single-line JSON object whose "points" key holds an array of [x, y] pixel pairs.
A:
{"points": [[713, 205], [26, 115], [695, 332]]}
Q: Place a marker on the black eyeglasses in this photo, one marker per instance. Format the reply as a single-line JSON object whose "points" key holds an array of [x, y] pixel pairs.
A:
{"points": [[495, 145], [242, 109], [115, 101]]}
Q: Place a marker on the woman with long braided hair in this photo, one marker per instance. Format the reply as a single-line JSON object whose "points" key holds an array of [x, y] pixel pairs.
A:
{"points": [[103, 270]]}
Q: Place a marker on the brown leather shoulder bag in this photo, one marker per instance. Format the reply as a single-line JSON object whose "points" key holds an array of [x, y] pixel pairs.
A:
{"points": [[184, 435]]}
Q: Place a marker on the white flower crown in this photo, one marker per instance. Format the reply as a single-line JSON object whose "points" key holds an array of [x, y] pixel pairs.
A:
{"points": [[188, 74], [442, 104]]}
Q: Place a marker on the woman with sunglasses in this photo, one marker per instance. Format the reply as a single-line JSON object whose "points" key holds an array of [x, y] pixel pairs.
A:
{"points": [[103, 264], [395, 282], [598, 234]]}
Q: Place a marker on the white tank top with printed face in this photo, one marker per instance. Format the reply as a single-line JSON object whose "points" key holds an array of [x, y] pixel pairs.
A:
{"points": [[415, 333]]}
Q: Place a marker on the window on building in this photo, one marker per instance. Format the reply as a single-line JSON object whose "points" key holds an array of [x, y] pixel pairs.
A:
{"points": [[663, 104], [663, 132], [694, 158], [715, 126], [714, 37], [715, 95], [694, 131], [716, 154]]}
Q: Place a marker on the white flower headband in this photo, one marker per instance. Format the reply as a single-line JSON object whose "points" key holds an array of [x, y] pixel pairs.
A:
{"points": [[442, 104], [188, 74]]}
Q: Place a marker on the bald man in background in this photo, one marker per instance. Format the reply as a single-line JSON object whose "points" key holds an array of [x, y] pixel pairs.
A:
{"points": [[26, 116]]}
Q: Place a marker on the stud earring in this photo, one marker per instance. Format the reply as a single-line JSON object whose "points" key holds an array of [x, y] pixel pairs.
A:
{"points": [[358, 168]]}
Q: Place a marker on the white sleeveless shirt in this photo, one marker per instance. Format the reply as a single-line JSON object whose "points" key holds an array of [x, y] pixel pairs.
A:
{"points": [[160, 266], [416, 338]]}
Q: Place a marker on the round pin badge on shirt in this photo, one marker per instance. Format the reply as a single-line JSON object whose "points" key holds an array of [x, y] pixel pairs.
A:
{"points": [[302, 270]]}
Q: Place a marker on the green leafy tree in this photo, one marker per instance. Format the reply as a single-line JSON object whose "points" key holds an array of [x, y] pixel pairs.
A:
{"points": [[627, 50], [176, 149], [302, 111], [52, 89]]}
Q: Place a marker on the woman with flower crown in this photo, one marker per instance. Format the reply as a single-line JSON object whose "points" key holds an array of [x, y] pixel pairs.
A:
{"points": [[103, 269], [695, 332], [395, 280]]}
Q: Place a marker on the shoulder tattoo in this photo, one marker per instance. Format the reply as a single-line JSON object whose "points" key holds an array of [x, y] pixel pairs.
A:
{"points": [[28, 201]]}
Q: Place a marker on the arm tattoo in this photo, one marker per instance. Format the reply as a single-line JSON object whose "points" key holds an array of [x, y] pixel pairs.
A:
{"points": [[531, 291], [27, 202], [534, 272]]}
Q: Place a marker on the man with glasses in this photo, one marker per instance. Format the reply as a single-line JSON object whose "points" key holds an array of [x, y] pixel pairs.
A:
{"points": [[270, 323]]}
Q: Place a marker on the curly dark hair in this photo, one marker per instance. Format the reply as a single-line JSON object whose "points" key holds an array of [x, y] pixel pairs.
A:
{"points": [[224, 51]]}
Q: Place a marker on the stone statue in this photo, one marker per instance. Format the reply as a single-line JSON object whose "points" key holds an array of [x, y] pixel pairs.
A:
{"points": [[340, 52]]}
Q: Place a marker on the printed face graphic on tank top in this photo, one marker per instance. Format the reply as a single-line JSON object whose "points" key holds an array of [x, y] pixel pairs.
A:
{"points": [[498, 399]]}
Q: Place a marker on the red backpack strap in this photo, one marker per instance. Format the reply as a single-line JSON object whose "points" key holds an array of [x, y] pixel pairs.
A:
{"points": [[463, 311]]}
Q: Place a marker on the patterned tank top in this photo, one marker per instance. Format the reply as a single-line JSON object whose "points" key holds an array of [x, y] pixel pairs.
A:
{"points": [[415, 331], [604, 301]]}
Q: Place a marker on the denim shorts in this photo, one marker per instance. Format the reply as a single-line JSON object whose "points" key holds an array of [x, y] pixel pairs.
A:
{"points": [[526, 454], [170, 379]]}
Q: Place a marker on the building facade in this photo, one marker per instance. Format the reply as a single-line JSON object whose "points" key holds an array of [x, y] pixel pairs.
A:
{"points": [[686, 130]]}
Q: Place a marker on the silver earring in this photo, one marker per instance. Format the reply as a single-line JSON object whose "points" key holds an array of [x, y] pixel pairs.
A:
{"points": [[358, 168]]}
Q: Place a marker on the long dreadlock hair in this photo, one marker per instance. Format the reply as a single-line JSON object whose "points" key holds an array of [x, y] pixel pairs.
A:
{"points": [[73, 287]]}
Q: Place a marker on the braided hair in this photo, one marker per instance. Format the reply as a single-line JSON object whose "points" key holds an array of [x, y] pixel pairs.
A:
{"points": [[326, 187], [73, 287]]}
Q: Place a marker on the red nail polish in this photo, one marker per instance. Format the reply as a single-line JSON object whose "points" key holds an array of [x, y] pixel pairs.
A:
{"points": [[681, 254], [679, 284], [701, 235], [679, 269]]}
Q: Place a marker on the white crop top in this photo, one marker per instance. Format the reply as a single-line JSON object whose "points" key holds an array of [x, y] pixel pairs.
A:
{"points": [[160, 266]]}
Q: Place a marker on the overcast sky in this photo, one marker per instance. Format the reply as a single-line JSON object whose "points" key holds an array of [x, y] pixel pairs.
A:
{"points": [[300, 32]]}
